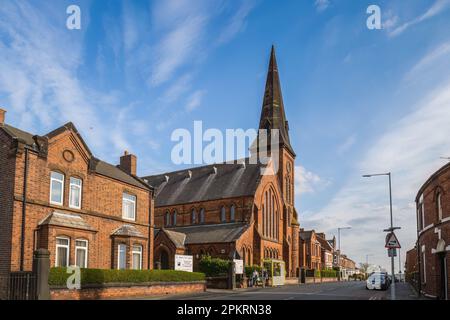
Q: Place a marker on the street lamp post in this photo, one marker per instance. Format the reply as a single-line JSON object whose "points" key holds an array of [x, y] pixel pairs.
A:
{"points": [[339, 246], [391, 229]]}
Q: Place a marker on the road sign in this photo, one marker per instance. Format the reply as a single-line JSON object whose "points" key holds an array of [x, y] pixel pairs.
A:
{"points": [[392, 252], [239, 264], [183, 262], [392, 241]]}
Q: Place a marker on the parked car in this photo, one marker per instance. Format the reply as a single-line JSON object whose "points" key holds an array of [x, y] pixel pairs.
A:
{"points": [[377, 281]]}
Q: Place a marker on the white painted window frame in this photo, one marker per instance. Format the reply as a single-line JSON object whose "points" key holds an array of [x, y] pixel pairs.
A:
{"points": [[118, 255], [62, 187], [126, 200], [133, 251], [86, 249], [79, 187], [62, 246]]}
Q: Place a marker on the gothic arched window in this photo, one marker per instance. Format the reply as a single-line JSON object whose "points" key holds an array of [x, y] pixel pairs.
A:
{"points": [[174, 217], [167, 219], [232, 213], [193, 216], [439, 205], [202, 215], [223, 215]]}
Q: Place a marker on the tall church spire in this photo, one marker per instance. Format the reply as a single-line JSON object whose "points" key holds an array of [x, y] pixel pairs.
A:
{"points": [[272, 113]]}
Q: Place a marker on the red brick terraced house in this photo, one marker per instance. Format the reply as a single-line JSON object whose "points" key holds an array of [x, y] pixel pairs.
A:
{"points": [[232, 210], [310, 250], [326, 251], [433, 229], [55, 194]]}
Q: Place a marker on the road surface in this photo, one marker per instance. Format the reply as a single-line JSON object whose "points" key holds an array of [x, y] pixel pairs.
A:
{"points": [[352, 290]]}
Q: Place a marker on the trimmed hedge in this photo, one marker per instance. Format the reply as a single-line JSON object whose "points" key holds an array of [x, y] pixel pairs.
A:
{"points": [[213, 267], [58, 276], [328, 273], [249, 270]]}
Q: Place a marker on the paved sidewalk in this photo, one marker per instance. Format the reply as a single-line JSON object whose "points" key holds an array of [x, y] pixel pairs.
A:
{"points": [[405, 291]]}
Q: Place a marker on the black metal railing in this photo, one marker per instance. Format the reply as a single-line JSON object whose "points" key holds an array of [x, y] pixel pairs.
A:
{"points": [[22, 285]]}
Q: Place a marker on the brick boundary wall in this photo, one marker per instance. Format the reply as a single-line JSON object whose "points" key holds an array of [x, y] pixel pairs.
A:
{"points": [[126, 290]]}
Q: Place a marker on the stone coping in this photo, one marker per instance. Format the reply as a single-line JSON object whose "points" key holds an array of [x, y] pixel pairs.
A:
{"points": [[127, 284]]}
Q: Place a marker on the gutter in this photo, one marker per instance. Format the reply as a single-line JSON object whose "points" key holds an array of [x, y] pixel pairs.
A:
{"points": [[24, 210]]}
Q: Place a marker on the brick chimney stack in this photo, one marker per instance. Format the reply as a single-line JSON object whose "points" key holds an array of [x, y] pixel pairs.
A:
{"points": [[2, 116], [128, 163]]}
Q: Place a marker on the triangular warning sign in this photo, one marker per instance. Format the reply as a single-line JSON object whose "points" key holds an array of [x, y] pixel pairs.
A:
{"points": [[392, 241]]}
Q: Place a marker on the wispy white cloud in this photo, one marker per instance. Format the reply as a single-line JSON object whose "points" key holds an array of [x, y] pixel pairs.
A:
{"points": [[195, 100], [39, 64], [322, 5], [410, 148], [347, 144], [308, 182], [237, 22], [437, 7]]}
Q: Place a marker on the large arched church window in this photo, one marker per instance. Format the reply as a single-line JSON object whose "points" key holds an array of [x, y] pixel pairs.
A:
{"points": [[223, 214]]}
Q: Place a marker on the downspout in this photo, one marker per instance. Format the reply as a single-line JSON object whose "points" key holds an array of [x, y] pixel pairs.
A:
{"points": [[419, 281], [24, 209], [150, 240]]}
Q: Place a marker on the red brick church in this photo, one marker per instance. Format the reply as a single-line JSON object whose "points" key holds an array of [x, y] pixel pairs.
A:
{"points": [[231, 210]]}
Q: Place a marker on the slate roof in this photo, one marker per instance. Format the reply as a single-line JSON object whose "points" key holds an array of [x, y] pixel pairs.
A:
{"points": [[66, 220], [177, 238], [17, 133], [273, 115], [96, 165], [127, 230], [212, 233], [205, 183], [324, 243], [306, 235]]}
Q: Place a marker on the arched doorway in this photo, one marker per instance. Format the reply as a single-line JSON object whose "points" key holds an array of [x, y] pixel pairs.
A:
{"points": [[441, 254], [164, 259]]}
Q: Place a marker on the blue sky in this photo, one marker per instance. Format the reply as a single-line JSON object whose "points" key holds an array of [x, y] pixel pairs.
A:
{"points": [[357, 100]]}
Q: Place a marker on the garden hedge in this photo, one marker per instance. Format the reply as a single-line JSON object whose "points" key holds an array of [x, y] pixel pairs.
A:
{"points": [[213, 267], [58, 276], [249, 270]]}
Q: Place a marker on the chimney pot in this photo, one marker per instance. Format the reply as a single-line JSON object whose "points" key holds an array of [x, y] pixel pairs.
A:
{"points": [[2, 115], [128, 163]]}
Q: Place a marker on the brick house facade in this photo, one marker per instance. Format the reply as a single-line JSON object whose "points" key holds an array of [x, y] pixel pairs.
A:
{"points": [[253, 215], [433, 229], [311, 252], [55, 194]]}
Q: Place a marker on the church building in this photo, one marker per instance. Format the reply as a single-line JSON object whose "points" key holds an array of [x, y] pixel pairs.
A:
{"points": [[232, 210]]}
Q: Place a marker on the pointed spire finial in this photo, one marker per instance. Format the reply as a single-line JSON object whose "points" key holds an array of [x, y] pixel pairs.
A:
{"points": [[272, 113]]}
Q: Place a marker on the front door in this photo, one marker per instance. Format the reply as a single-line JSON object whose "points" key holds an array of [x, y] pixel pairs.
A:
{"points": [[164, 258], [443, 276]]}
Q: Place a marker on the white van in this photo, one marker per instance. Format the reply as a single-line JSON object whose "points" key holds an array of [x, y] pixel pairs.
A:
{"points": [[377, 281]]}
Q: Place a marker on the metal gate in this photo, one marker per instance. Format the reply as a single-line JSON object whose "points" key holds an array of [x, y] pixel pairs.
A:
{"points": [[22, 286]]}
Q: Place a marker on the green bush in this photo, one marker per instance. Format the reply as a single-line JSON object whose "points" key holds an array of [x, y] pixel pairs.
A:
{"points": [[58, 276], [249, 270], [328, 273], [213, 267]]}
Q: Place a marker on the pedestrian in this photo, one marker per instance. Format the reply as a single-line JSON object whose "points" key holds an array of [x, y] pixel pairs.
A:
{"points": [[264, 277], [255, 277]]}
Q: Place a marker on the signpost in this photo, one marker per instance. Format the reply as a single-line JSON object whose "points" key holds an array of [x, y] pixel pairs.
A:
{"points": [[392, 241], [183, 262], [239, 266]]}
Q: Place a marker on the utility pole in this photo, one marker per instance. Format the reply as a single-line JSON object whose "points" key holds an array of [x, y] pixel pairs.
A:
{"points": [[339, 246], [391, 229]]}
